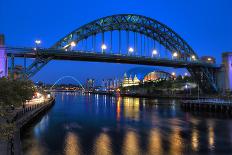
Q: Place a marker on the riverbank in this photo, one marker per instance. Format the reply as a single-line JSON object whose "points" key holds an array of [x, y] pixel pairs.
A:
{"points": [[22, 117]]}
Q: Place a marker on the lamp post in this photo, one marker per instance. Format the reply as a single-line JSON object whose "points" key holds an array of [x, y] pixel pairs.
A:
{"points": [[174, 74], [37, 43], [72, 44], [155, 53], [130, 50], [174, 55], [193, 57], [103, 47]]}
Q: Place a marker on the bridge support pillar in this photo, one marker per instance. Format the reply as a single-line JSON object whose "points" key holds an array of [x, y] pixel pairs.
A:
{"points": [[3, 59], [227, 67]]}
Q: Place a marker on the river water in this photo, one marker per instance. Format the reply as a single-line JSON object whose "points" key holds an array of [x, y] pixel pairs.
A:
{"points": [[100, 124]]}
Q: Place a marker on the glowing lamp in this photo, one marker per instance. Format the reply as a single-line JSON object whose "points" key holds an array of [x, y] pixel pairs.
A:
{"points": [[103, 47], [154, 52], [37, 42], [193, 57], [73, 44], [175, 54], [131, 50]]}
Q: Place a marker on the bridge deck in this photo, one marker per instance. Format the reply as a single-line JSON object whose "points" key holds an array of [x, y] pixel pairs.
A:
{"points": [[57, 54]]}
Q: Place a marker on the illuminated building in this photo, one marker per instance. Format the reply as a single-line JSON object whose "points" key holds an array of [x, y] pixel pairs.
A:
{"points": [[129, 81], [139, 75], [110, 84], [89, 84]]}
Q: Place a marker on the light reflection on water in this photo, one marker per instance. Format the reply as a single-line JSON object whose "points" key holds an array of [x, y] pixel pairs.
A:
{"points": [[155, 142], [99, 124], [103, 145], [72, 145], [131, 143]]}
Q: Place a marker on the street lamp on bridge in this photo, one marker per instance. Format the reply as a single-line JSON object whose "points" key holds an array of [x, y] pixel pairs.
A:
{"points": [[37, 43], [131, 50], [73, 44], [174, 55], [193, 57], [103, 47], [154, 53]]}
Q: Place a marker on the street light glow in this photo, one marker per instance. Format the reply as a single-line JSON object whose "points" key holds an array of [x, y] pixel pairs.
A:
{"points": [[131, 50], [185, 74], [173, 74], [209, 59], [103, 47], [37, 42], [175, 54], [73, 44], [193, 57], [154, 52]]}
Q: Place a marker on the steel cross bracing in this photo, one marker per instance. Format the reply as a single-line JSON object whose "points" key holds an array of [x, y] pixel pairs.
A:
{"points": [[205, 78]]}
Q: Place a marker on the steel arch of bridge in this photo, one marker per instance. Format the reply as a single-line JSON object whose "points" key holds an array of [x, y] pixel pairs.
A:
{"points": [[202, 72], [130, 22], [67, 76]]}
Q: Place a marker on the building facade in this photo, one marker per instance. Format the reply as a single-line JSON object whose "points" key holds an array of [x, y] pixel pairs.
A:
{"points": [[129, 81], [90, 84], [136, 76]]}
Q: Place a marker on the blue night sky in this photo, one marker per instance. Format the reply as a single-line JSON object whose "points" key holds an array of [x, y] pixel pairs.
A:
{"points": [[204, 24]]}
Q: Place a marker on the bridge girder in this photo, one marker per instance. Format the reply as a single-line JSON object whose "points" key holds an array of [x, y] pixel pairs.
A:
{"points": [[130, 22]]}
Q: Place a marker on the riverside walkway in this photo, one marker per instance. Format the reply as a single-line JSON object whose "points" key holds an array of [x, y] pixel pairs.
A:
{"points": [[21, 117], [212, 105]]}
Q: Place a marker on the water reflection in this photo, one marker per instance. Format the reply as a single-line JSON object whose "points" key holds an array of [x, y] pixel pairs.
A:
{"points": [[131, 144], [35, 148], [118, 111], [41, 127], [103, 145], [131, 108], [72, 145], [211, 137], [97, 124], [176, 142], [155, 142], [195, 139]]}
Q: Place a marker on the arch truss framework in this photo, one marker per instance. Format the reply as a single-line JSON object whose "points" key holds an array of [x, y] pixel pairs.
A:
{"points": [[138, 24]]}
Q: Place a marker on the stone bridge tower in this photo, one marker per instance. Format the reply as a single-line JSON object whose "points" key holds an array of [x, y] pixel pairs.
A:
{"points": [[227, 64], [3, 58]]}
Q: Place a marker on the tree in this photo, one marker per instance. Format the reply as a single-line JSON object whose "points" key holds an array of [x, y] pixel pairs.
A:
{"points": [[13, 93]]}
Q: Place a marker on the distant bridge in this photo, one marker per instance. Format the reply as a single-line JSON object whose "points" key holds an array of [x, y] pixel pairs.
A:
{"points": [[65, 77], [101, 41]]}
